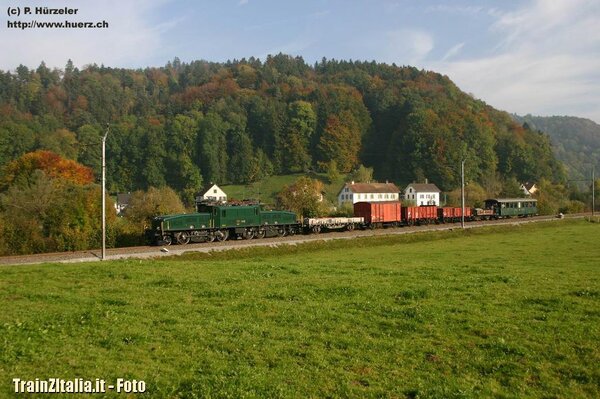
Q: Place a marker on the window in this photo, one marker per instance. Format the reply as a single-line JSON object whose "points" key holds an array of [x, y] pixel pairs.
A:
{"points": [[215, 191], [422, 196], [372, 196], [223, 213]]}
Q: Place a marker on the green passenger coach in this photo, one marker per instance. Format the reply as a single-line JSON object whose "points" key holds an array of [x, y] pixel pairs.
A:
{"points": [[512, 207]]}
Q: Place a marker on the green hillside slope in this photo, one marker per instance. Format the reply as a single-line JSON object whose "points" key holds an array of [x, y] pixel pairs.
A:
{"points": [[576, 141], [185, 124]]}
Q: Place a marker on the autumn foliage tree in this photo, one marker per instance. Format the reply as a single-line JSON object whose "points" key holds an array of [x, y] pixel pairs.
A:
{"points": [[303, 197], [44, 214], [52, 164], [340, 141], [49, 203], [144, 205]]}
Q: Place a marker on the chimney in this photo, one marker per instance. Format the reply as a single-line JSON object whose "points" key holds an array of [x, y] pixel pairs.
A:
{"points": [[426, 181]]}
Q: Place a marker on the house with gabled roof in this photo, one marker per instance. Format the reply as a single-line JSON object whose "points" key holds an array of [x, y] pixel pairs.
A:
{"points": [[352, 193], [529, 188], [211, 192], [422, 193]]}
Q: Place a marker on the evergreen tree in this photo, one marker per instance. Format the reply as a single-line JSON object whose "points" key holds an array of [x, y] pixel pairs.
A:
{"points": [[212, 148], [300, 128]]}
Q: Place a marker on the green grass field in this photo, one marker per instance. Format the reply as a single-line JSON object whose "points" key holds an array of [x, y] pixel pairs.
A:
{"points": [[494, 312], [265, 190], [268, 189]]}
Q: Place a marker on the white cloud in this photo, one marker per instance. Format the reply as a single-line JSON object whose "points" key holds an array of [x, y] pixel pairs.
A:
{"points": [[242, 2], [546, 60], [454, 50], [131, 39], [407, 46]]}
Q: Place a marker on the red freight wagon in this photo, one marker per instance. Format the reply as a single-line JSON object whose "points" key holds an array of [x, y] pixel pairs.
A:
{"points": [[419, 214], [428, 214], [378, 214], [446, 214], [453, 214], [409, 215], [458, 213]]}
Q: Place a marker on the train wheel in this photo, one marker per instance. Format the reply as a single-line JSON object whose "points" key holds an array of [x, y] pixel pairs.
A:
{"points": [[262, 233], [248, 234], [292, 231], [350, 227], [182, 238], [167, 239], [222, 235], [281, 232], [316, 229], [210, 237]]}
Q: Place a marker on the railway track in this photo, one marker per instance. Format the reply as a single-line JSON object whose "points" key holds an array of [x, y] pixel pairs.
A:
{"points": [[144, 252]]}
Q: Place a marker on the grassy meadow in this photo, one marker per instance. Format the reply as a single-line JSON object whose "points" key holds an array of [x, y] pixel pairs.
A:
{"points": [[267, 189], [493, 312]]}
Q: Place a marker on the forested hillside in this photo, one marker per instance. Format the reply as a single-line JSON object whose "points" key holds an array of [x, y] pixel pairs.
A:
{"points": [[235, 122], [576, 141]]}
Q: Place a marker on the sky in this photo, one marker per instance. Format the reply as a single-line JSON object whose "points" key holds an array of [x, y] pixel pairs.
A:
{"points": [[539, 57]]}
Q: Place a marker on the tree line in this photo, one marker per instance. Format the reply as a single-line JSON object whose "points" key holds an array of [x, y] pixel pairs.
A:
{"points": [[189, 123]]}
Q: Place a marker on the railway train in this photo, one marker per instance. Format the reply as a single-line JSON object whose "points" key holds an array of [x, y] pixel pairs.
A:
{"points": [[219, 222]]}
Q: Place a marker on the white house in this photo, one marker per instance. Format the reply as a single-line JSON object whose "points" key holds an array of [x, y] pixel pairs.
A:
{"points": [[212, 192], [122, 202], [528, 188], [422, 193], [352, 193]]}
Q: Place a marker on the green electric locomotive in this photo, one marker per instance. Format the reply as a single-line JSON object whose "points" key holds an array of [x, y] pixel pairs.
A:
{"points": [[219, 222]]}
